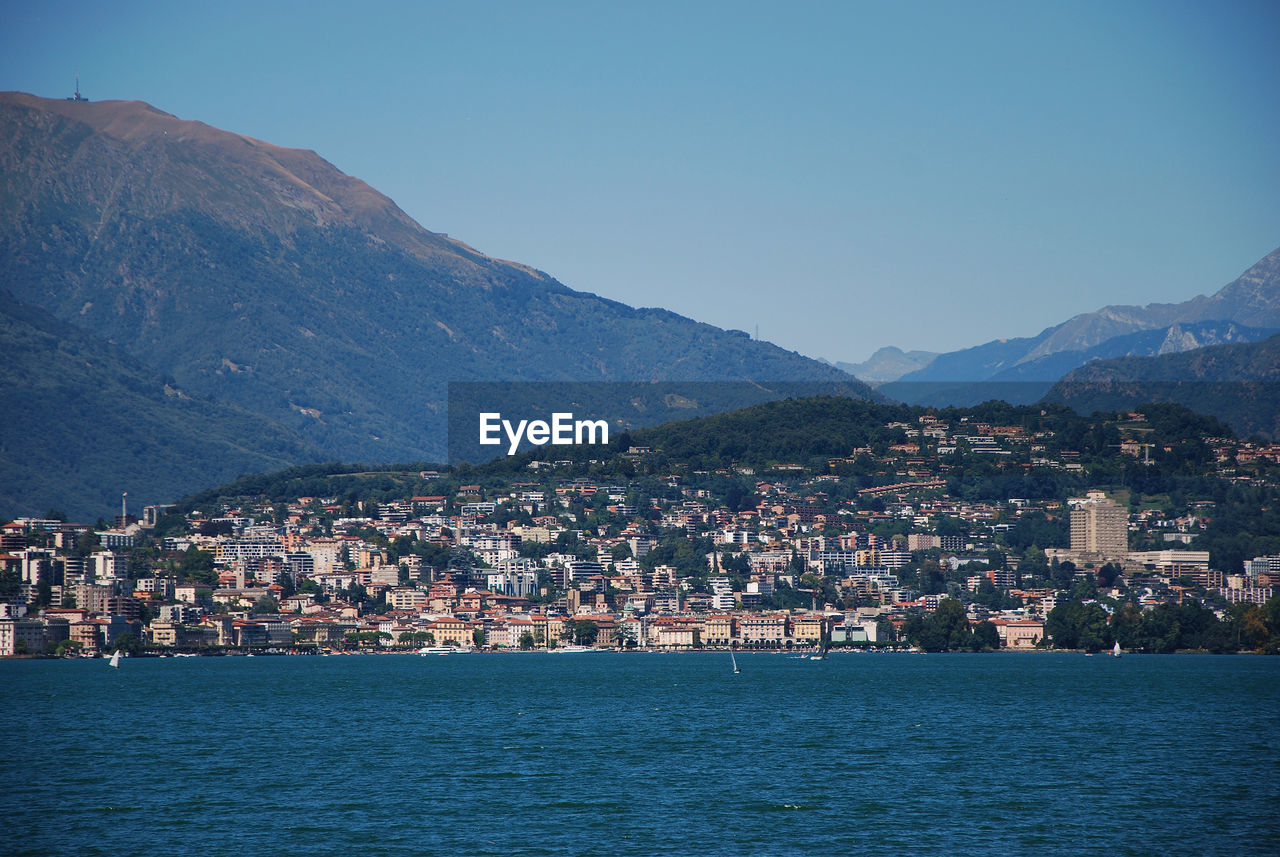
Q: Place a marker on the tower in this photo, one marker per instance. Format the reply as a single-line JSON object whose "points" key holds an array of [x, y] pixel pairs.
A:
{"points": [[1100, 526]]}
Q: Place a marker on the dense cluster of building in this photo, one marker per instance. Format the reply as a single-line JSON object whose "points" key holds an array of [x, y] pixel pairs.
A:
{"points": [[522, 568]]}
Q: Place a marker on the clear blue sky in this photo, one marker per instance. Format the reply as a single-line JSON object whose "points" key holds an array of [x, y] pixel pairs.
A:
{"points": [[845, 175]]}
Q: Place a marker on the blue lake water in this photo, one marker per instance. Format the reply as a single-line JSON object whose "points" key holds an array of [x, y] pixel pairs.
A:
{"points": [[642, 754]]}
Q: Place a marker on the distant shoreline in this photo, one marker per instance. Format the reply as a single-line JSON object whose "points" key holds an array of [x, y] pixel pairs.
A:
{"points": [[799, 654]]}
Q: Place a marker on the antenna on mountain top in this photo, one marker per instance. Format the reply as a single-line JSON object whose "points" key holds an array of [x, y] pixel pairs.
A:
{"points": [[77, 96]]}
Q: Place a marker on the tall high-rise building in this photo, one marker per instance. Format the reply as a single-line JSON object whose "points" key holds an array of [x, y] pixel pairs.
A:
{"points": [[1100, 526]]}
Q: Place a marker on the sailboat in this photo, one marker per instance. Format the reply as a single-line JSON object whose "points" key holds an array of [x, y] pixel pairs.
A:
{"points": [[115, 660], [1115, 651], [736, 669]]}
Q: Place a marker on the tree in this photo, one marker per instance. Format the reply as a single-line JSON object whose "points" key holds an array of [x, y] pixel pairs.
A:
{"points": [[366, 638], [1271, 619], [1159, 631], [1109, 574], [87, 543], [985, 637], [951, 620], [796, 564], [197, 567], [1061, 625], [945, 629], [1072, 625], [169, 525], [10, 583], [584, 632], [526, 641], [1126, 625], [626, 637], [216, 528], [128, 643], [931, 579], [1034, 563], [266, 604], [1064, 574], [44, 592], [1085, 588], [1093, 628]]}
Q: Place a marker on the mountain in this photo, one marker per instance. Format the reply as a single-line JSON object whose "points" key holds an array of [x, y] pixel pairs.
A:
{"points": [[888, 364], [85, 421], [1245, 310], [265, 278], [1238, 384]]}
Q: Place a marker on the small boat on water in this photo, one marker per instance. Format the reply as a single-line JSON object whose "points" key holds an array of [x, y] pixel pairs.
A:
{"points": [[436, 650], [114, 663], [736, 669], [1115, 650]]}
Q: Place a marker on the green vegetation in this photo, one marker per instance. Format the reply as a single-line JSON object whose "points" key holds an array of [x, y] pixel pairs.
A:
{"points": [[96, 422], [727, 454], [1166, 628], [778, 465], [333, 341], [1238, 383], [583, 632]]}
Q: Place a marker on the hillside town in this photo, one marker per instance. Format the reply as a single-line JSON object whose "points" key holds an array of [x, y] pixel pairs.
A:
{"points": [[555, 558]]}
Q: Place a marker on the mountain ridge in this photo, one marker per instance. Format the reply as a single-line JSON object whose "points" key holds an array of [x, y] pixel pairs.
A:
{"points": [[264, 278], [1251, 301], [298, 178], [88, 421], [888, 364], [1239, 383]]}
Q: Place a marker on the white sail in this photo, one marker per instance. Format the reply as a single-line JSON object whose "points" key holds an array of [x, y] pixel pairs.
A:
{"points": [[115, 660], [1115, 651]]}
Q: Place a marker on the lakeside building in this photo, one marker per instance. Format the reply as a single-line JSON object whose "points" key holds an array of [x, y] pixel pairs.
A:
{"points": [[458, 565]]}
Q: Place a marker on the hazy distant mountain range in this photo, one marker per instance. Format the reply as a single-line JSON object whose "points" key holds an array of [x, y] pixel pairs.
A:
{"points": [[888, 364], [1239, 384], [1023, 369], [263, 278], [1246, 310]]}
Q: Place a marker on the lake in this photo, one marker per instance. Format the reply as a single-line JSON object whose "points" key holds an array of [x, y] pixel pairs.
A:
{"points": [[642, 754]]}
